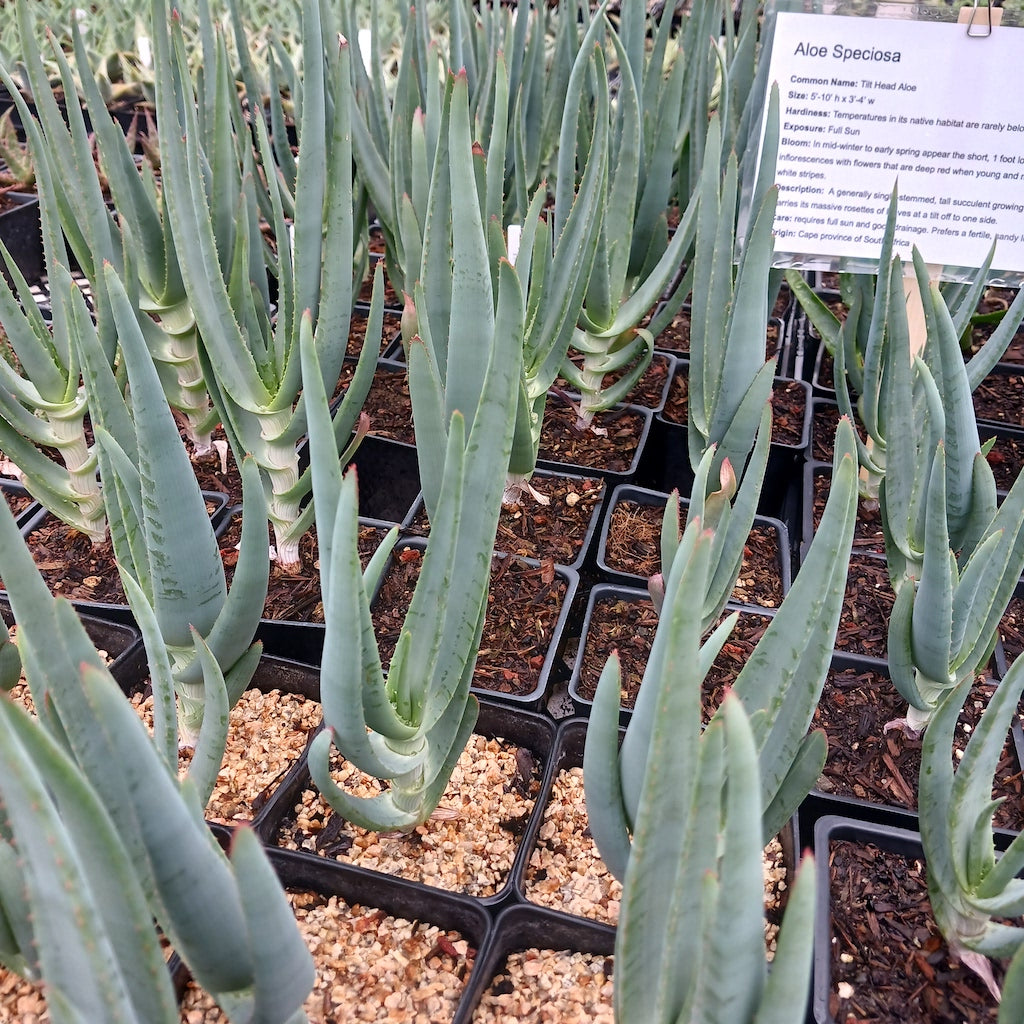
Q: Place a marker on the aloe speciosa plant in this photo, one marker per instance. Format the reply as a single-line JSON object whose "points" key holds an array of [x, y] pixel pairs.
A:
{"points": [[410, 725], [42, 403], [635, 261], [198, 633], [730, 375], [971, 887], [875, 308], [680, 813], [85, 164], [100, 838], [727, 512], [953, 556], [553, 262], [249, 348]]}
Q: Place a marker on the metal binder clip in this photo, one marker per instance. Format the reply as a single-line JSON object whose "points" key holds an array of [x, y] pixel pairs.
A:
{"points": [[987, 27]]}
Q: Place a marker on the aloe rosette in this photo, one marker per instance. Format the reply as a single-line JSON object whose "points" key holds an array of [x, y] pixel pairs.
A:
{"points": [[87, 791], [681, 815], [167, 552], [74, 153], [250, 350], [971, 886], [410, 724]]}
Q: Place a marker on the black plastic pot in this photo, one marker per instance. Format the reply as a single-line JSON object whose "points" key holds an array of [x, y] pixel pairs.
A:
{"points": [[520, 928], [607, 420], [656, 500], [899, 836], [669, 468], [526, 569], [640, 623], [122, 644], [389, 479], [27, 511], [122, 613], [506, 541], [534, 733], [396, 897], [21, 233]]}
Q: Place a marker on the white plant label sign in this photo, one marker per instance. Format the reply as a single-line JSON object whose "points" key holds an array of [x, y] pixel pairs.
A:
{"points": [[866, 104]]}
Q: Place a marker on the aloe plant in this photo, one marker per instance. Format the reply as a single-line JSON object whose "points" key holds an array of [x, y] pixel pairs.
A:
{"points": [[779, 685], [635, 261], [139, 232], [730, 376], [42, 405], [728, 512], [111, 802], [876, 318], [970, 886], [167, 552], [411, 724], [677, 816], [250, 356]]}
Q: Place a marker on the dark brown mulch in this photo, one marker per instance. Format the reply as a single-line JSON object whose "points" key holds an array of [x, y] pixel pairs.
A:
{"points": [[390, 409], [634, 546], [18, 502], [1011, 630], [628, 626], [789, 407], [612, 452], [867, 605], [390, 332], [556, 531], [523, 607], [887, 947], [294, 595], [867, 533], [675, 337], [868, 763], [1006, 459], [824, 421], [999, 398], [649, 390]]}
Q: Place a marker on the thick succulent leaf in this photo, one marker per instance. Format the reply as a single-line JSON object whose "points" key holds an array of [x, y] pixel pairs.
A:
{"points": [[284, 971], [90, 917], [602, 786]]}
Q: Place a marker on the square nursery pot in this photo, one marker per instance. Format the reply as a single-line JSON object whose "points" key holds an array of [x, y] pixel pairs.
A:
{"points": [[878, 954], [524, 631], [668, 466], [875, 771], [86, 573], [615, 453], [523, 639], [376, 941], [121, 643], [562, 871], [629, 548], [25, 509], [623, 619], [533, 960], [473, 848], [868, 536], [561, 531], [21, 233]]}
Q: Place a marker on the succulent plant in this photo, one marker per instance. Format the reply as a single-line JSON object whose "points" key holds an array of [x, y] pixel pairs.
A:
{"points": [[971, 887], [108, 839], [410, 725], [249, 352]]}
